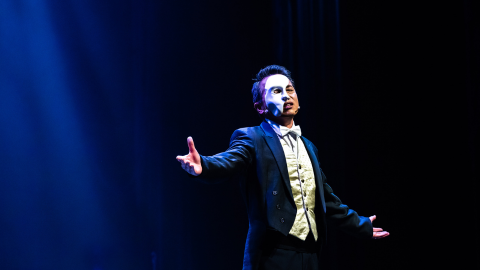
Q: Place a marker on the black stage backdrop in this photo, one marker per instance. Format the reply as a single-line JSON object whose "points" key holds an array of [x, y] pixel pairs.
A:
{"points": [[98, 97]]}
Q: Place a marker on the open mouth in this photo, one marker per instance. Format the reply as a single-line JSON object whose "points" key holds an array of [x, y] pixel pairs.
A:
{"points": [[288, 105]]}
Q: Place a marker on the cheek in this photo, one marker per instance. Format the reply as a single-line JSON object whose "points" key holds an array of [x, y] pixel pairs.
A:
{"points": [[275, 99], [294, 97]]}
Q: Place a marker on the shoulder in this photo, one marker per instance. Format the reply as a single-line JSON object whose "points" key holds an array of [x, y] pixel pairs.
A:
{"points": [[248, 136], [246, 132]]}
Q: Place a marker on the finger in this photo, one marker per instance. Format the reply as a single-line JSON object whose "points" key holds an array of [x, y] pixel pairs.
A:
{"points": [[377, 229], [190, 167], [191, 170], [386, 234], [183, 158], [379, 235], [182, 161], [191, 145]]}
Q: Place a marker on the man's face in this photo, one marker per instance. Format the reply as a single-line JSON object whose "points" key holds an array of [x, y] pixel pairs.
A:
{"points": [[280, 97]]}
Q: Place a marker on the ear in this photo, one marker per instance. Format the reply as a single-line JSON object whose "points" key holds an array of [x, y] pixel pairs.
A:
{"points": [[260, 108]]}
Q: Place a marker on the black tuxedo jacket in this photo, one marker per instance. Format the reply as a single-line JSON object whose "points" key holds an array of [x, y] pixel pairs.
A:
{"points": [[256, 156]]}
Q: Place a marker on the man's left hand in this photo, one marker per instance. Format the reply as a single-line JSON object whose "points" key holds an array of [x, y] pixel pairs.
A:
{"points": [[378, 232]]}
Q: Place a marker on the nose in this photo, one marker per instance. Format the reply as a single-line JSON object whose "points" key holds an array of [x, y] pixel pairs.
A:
{"points": [[285, 97]]}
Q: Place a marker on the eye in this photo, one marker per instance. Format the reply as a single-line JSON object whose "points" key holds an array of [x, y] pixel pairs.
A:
{"points": [[277, 91]]}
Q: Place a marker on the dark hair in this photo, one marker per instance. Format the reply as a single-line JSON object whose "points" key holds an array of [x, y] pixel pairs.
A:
{"points": [[262, 74]]}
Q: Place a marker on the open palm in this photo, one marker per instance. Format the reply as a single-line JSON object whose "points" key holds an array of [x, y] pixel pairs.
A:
{"points": [[191, 162], [378, 232]]}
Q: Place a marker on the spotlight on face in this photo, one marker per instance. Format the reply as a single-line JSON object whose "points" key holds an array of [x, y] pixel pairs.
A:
{"points": [[280, 95]]}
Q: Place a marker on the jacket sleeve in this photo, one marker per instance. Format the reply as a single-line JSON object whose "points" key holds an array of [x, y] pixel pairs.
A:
{"points": [[341, 215], [345, 218], [227, 164]]}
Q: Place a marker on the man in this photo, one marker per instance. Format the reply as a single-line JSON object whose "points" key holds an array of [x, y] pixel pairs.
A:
{"points": [[284, 188]]}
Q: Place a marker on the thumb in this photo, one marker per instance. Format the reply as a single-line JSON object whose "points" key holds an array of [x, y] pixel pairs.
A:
{"points": [[191, 145], [372, 218]]}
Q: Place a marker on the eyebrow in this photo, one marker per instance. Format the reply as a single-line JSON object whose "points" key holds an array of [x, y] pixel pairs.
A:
{"points": [[278, 86]]}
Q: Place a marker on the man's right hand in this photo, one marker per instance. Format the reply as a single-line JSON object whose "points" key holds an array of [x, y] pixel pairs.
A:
{"points": [[191, 162]]}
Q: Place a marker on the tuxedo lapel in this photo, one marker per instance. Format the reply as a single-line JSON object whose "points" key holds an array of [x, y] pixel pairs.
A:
{"points": [[275, 146], [316, 170]]}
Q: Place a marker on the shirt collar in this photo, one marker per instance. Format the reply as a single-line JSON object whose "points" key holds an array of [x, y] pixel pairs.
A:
{"points": [[276, 127]]}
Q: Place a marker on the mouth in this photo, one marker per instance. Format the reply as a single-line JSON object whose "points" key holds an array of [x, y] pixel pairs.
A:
{"points": [[288, 105]]}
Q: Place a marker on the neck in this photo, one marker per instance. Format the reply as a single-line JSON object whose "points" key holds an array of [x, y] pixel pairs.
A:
{"points": [[285, 121]]}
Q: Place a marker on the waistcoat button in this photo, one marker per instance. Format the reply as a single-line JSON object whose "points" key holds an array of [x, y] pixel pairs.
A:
{"points": [[274, 192], [278, 206], [282, 220]]}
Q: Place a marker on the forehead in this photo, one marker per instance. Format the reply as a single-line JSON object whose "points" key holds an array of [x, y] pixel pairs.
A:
{"points": [[275, 80]]}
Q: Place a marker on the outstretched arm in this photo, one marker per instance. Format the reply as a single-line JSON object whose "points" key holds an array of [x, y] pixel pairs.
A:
{"points": [[345, 218], [348, 220], [191, 163], [216, 168]]}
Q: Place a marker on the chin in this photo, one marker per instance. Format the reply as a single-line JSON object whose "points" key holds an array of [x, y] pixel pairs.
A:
{"points": [[290, 112]]}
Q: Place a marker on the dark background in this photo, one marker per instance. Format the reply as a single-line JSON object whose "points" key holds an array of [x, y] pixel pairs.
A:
{"points": [[98, 97]]}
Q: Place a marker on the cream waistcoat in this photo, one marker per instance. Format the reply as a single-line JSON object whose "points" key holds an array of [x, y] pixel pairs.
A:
{"points": [[302, 181]]}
